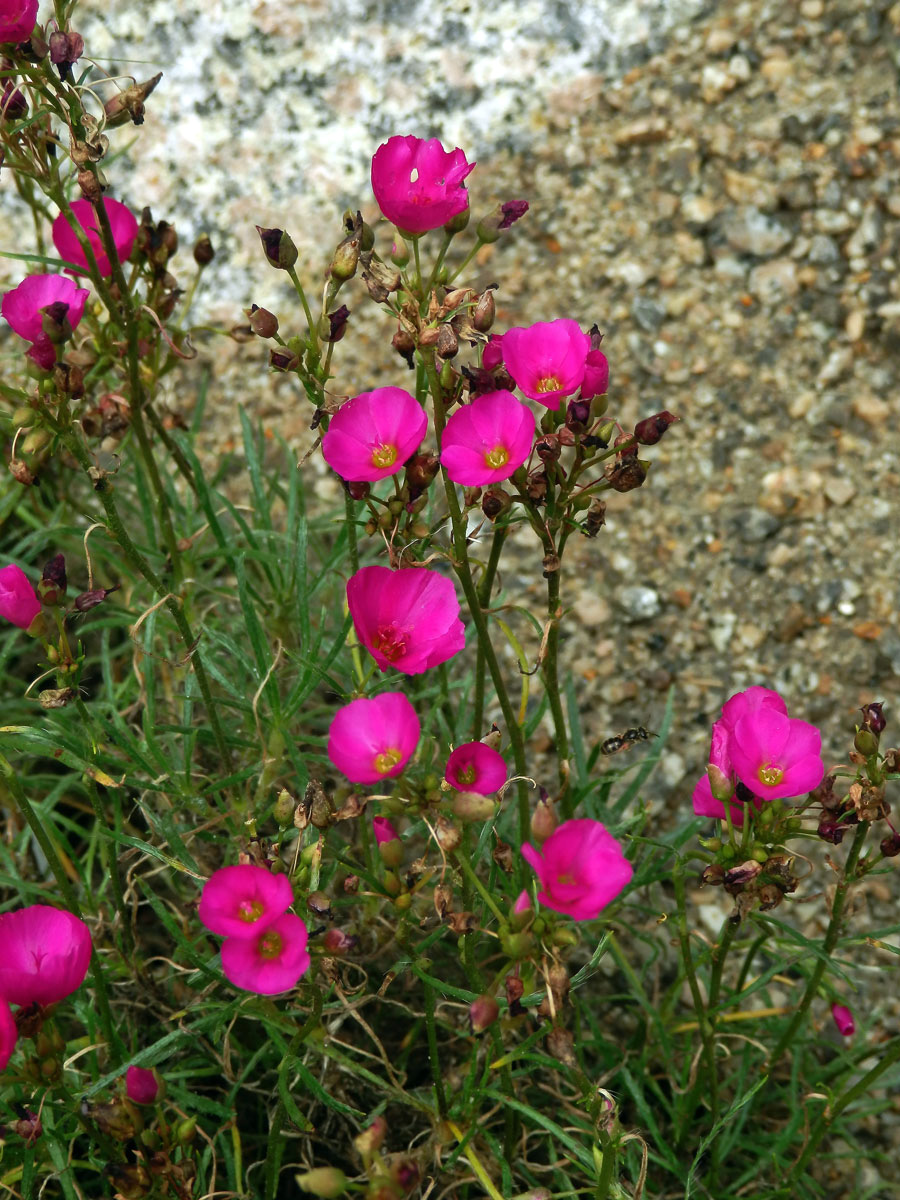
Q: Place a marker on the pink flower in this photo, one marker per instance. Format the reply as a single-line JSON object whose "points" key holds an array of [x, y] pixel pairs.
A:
{"points": [[19, 602], [748, 701], [596, 375], [17, 18], [370, 740], [8, 1033], [492, 355], [487, 440], [475, 767], [580, 867], [372, 435], [435, 195], [843, 1018], [706, 804], [141, 1085], [406, 619], [721, 769], [775, 755], [240, 901], [523, 902], [22, 307], [44, 954], [124, 227], [547, 360], [384, 831], [271, 960]]}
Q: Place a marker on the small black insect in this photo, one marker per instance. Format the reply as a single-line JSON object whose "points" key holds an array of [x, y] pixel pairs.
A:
{"points": [[624, 741]]}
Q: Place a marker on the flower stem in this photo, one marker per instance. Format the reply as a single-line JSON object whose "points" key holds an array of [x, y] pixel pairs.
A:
{"points": [[485, 588], [550, 672], [463, 863], [832, 935]]}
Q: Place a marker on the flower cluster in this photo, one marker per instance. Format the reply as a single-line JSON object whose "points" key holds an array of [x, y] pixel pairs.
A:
{"points": [[44, 957], [265, 946], [758, 753]]}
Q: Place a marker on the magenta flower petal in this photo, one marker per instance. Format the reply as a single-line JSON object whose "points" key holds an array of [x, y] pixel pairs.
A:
{"points": [[44, 954], [124, 227], [384, 830], [19, 601], [776, 756], [706, 805], [240, 901], [17, 19], [475, 767], [523, 901], [487, 440], [407, 619], [433, 197], [370, 740], [141, 1085], [581, 868], [492, 355], [8, 1033], [271, 960], [22, 305], [843, 1018], [547, 360], [372, 435], [749, 701], [596, 375]]}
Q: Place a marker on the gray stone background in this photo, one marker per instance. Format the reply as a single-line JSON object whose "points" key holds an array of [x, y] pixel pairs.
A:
{"points": [[716, 185]]}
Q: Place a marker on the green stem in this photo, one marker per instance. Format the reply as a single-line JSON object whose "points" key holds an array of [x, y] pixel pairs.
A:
{"points": [[550, 672], [468, 871], [313, 334], [433, 1059], [832, 936], [485, 587], [719, 954], [439, 262], [607, 1167], [464, 572], [350, 518], [465, 262], [275, 1147], [706, 1029]]}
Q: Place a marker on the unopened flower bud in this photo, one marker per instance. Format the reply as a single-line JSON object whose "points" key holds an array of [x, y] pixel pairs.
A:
{"points": [[345, 259], [278, 247], [484, 311], [578, 415], [326, 1182], [282, 359], [204, 251], [866, 742], [53, 582], [420, 472], [873, 717], [649, 431], [13, 105], [843, 1019], [713, 874], [88, 600], [263, 323], [399, 252], [335, 324], [470, 806], [371, 1140], [890, 845], [483, 1012], [336, 941], [831, 831], [495, 502], [502, 217], [543, 819], [65, 49]]}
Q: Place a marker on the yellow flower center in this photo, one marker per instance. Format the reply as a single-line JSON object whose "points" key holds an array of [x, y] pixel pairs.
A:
{"points": [[566, 877], [548, 384], [770, 776], [467, 775], [249, 911], [387, 760], [384, 456], [270, 944], [498, 457]]}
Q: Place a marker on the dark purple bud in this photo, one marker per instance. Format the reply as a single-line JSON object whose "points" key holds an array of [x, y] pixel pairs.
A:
{"points": [[278, 247], [495, 502], [263, 323], [281, 359], [88, 600], [358, 489], [547, 447], [890, 845], [578, 415], [421, 469], [831, 831], [873, 717], [483, 1012], [337, 322], [55, 571], [204, 251], [713, 874], [649, 431], [512, 211], [13, 105]]}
